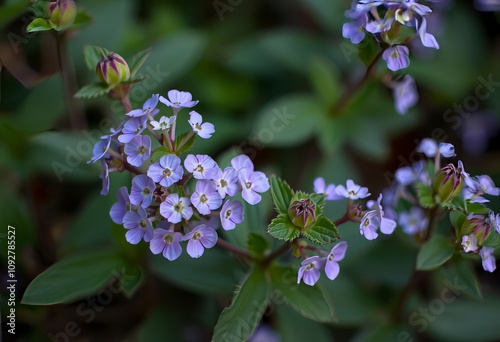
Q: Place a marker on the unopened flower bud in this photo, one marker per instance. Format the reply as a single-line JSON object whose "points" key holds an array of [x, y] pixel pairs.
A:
{"points": [[302, 213], [62, 14], [112, 69], [477, 225], [448, 183]]}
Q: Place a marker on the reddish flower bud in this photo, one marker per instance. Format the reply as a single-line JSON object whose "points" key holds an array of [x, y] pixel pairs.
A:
{"points": [[112, 69]]}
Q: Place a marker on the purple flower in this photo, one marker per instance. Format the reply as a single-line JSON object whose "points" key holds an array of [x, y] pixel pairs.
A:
{"points": [[138, 150], [205, 198], [320, 187], [139, 226], [353, 191], [231, 214], [100, 150], [337, 253], [355, 30], [132, 128], [105, 177], [167, 242], [149, 108], [374, 219], [309, 270], [428, 40], [242, 162], [405, 94], [252, 183], [200, 238], [176, 208], [478, 186], [428, 146], [494, 221], [489, 263], [167, 171], [164, 123], [201, 166], [469, 243], [120, 208], [204, 130], [409, 174], [396, 57], [178, 99], [377, 26], [414, 221], [226, 182], [142, 191]]}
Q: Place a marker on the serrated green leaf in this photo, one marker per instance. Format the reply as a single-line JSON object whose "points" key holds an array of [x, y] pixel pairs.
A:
{"points": [[434, 253], [238, 321], [424, 193], [138, 60], [92, 55], [184, 142], [462, 277], [457, 203], [281, 193], [476, 208], [324, 77], [92, 90], [39, 24], [492, 240], [323, 232], [257, 244], [82, 18], [309, 301], [73, 277], [282, 229], [158, 153], [319, 200]]}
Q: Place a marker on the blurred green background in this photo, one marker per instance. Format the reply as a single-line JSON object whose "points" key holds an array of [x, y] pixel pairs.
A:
{"points": [[245, 61]]}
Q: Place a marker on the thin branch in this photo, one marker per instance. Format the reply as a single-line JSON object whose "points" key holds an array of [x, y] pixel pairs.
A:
{"points": [[234, 249]]}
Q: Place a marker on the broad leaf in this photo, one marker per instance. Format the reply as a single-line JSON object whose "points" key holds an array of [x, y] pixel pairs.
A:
{"points": [[476, 208], [323, 232], [92, 90], [282, 194], [461, 277], [325, 79], [237, 322], [425, 196], [282, 229], [92, 55], [257, 244], [434, 253], [138, 60], [159, 152], [492, 240], [82, 18], [39, 24], [457, 219], [309, 301], [132, 282], [74, 277], [183, 143]]}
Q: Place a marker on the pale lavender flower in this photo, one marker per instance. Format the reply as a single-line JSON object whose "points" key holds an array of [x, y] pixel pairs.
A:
{"points": [[429, 147], [149, 107], [409, 174], [132, 128], [167, 171], [226, 182], [352, 190], [200, 238], [105, 177], [142, 191], [377, 26], [396, 57], [242, 162], [178, 99], [309, 270], [205, 198], [405, 94], [201, 166], [320, 187], [231, 214], [138, 225], [488, 260], [494, 221], [469, 243], [164, 123], [252, 183], [138, 150], [176, 208], [447, 150], [355, 30], [337, 253], [373, 220], [414, 221], [478, 186], [204, 130], [167, 242], [100, 150], [120, 208], [428, 40]]}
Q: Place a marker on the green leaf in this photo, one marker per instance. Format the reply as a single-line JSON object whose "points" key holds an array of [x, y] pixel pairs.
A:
{"points": [[476, 208], [492, 240], [132, 282], [282, 229], [281, 193], [138, 60], [92, 90], [292, 327], [182, 145], [158, 153], [257, 244], [92, 55], [73, 277], [461, 277], [368, 49], [324, 77], [10, 12], [82, 18], [323, 232], [434, 253], [424, 193], [457, 219], [457, 203], [309, 301], [319, 200], [39, 24], [238, 321]]}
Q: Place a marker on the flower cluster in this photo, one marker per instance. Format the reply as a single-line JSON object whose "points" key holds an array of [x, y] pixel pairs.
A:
{"points": [[425, 186], [160, 209]]}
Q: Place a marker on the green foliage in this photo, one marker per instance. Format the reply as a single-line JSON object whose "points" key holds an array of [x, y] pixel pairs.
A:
{"points": [[476, 208], [158, 153], [281, 193], [425, 196], [238, 321], [93, 90], [323, 232], [492, 240], [462, 277], [434, 253], [184, 142], [325, 79], [39, 24], [138, 60], [282, 228], [257, 244], [82, 18], [9, 12]]}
